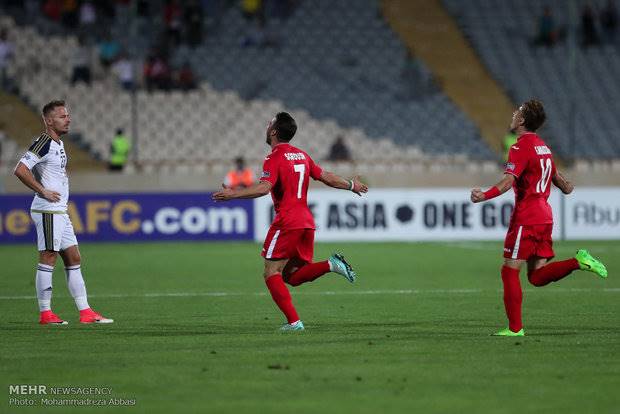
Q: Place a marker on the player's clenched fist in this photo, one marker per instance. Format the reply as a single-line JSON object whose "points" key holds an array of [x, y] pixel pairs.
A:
{"points": [[477, 195]]}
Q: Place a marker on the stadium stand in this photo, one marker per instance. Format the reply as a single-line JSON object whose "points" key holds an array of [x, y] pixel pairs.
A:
{"points": [[356, 96], [576, 84]]}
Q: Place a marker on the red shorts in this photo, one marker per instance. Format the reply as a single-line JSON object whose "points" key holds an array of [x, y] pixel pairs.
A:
{"points": [[287, 244], [524, 242]]}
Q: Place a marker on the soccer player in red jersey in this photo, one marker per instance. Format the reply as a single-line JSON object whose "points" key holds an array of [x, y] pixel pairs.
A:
{"points": [[528, 171], [289, 245]]}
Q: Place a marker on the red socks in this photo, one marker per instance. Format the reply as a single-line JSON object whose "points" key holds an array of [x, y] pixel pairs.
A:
{"points": [[282, 297], [280, 294], [308, 273], [513, 296], [552, 272]]}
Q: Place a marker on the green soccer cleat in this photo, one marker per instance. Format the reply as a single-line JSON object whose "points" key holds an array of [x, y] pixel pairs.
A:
{"points": [[295, 326], [589, 263], [508, 332], [340, 266]]}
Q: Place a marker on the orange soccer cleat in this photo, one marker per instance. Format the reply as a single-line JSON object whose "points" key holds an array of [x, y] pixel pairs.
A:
{"points": [[90, 316], [50, 318]]}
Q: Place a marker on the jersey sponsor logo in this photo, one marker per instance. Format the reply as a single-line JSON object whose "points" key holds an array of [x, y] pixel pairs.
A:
{"points": [[265, 174], [542, 150], [294, 156]]}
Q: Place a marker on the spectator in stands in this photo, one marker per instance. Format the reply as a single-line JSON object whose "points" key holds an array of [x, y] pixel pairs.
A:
{"points": [[88, 18], [80, 62], [109, 51], [193, 23], [172, 20], [240, 176], [69, 13], [124, 70], [254, 12], [147, 70], [589, 35], [157, 74], [548, 33], [6, 54], [509, 140], [119, 150], [53, 9], [609, 21], [339, 150], [252, 9], [186, 80]]}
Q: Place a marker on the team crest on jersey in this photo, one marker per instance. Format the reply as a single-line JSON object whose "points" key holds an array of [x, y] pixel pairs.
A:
{"points": [[265, 174], [510, 166]]}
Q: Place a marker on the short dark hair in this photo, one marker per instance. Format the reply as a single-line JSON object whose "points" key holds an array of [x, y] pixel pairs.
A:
{"points": [[285, 126], [50, 106], [533, 114]]}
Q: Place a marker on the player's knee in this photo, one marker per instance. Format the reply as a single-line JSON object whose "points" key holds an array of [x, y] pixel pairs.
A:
{"points": [[267, 274], [534, 281], [72, 256], [48, 257], [76, 259]]}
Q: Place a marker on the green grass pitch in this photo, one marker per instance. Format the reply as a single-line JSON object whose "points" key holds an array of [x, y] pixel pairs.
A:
{"points": [[195, 331]]}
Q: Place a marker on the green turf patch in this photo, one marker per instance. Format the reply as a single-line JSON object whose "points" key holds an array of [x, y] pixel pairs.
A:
{"points": [[196, 331]]}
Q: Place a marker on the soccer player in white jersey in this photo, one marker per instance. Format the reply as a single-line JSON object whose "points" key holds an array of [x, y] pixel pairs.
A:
{"points": [[42, 169]]}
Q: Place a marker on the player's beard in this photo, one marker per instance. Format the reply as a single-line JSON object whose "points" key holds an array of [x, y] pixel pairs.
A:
{"points": [[268, 140]]}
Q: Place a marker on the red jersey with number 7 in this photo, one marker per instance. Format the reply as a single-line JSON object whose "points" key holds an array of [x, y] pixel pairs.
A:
{"points": [[531, 162], [288, 169]]}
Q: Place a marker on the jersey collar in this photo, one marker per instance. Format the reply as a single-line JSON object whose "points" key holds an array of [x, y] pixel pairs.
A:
{"points": [[525, 134]]}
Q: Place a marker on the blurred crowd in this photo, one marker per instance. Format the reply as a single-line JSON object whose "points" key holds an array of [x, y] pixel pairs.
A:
{"points": [[596, 27], [168, 24]]}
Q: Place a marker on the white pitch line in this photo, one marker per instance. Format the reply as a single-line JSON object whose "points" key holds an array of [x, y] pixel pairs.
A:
{"points": [[467, 245], [323, 293]]}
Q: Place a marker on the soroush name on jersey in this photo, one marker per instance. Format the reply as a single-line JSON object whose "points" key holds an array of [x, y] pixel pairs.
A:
{"points": [[48, 161], [289, 169], [531, 162]]}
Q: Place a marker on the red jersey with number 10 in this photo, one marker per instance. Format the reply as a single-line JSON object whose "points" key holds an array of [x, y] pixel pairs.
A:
{"points": [[288, 169], [531, 162]]}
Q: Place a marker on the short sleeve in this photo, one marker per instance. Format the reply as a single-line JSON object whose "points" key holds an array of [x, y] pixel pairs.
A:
{"points": [[315, 169], [30, 160], [517, 161], [270, 170]]}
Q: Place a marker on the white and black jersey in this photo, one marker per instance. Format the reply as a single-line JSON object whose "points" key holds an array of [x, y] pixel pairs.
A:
{"points": [[48, 161]]}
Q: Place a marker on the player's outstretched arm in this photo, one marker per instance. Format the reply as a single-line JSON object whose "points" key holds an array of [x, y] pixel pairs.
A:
{"points": [[25, 176], [257, 190], [562, 183], [477, 195], [336, 181]]}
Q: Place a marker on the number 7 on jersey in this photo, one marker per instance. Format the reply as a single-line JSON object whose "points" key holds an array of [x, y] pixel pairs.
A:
{"points": [[301, 169]]}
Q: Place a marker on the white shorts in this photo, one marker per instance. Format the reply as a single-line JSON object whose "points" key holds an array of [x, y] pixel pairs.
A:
{"points": [[54, 231]]}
